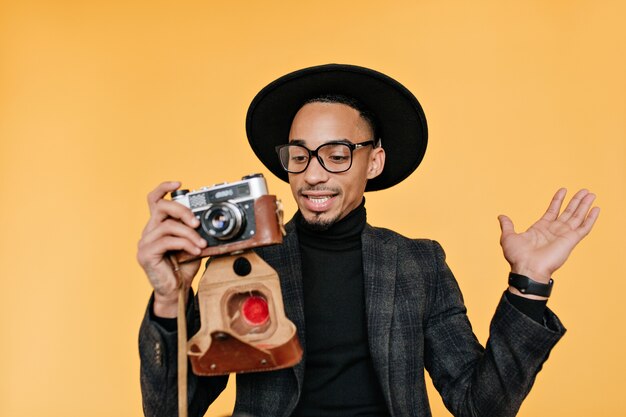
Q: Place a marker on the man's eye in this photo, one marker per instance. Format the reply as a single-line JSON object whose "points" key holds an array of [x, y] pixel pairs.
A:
{"points": [[338, 158], [299, 159]]}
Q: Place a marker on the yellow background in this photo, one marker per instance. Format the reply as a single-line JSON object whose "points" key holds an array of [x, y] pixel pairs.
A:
{"points": [[102, 100]]}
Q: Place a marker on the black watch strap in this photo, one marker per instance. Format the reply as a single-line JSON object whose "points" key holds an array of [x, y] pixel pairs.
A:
{"points": [[526, 285]]}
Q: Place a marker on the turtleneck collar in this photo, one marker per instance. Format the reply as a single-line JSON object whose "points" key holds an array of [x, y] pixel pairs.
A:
{"points": [[343, 235]]}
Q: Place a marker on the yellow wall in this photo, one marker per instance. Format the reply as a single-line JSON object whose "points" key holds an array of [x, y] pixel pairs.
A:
{"points": [[102, 100]]}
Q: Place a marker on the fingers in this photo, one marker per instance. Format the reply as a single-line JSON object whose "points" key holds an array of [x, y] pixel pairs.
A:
{"points": [[506, 225], [154, 198], [165, 209], [156, 249], [170, 227], [581, 210], [554, 208], [193, 243], [161, 191], [589, 221], [175, 228], [169, 235], [577, 214], [152, 250], [573, 205]]}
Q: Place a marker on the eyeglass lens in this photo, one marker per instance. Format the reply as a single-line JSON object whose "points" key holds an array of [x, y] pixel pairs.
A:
{"points": [[335, 157]]}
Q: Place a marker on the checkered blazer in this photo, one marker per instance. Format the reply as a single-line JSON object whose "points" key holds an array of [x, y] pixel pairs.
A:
{"points": [[416, 320]]}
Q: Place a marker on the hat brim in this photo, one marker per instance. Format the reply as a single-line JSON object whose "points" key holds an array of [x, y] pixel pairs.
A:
{"points": [[400, 118]]}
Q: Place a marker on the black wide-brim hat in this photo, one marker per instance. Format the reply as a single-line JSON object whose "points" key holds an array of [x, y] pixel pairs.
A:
{"points": [[400, 120]]}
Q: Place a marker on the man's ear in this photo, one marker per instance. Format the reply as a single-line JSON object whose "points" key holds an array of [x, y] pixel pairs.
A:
{"points": [[376, 162]]}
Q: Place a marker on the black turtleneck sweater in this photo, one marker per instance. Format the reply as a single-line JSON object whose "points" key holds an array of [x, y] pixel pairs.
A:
{"points": [[339, 377]]}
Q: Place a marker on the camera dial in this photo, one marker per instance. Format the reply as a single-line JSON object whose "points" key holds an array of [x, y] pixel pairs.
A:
{"points": [[179, 194], [223, 221]]}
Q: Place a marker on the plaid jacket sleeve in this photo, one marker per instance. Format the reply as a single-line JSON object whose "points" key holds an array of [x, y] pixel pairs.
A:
{"points": [[476, 381], [158, 374]]}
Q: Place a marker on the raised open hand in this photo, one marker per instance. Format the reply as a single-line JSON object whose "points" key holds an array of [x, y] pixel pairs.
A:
{"points": [[546, 245]]}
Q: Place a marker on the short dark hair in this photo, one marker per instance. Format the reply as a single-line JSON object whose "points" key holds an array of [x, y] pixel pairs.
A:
{"points": [[352, 102]]}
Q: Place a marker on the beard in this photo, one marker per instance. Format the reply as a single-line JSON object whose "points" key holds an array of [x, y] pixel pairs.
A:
{"points": [[319, 224]]}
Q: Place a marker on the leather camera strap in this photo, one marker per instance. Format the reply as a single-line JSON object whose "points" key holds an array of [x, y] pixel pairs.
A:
{"points": [[181, 322]]}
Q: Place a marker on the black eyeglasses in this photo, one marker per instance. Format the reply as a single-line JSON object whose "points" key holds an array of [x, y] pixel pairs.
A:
{"points": [[334, 157]]}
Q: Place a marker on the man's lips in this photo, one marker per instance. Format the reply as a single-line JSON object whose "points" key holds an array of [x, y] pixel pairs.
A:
{"points": [[318, 201]]}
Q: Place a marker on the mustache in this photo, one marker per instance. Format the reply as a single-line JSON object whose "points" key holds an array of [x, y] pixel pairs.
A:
{"points": [[324, 188]]}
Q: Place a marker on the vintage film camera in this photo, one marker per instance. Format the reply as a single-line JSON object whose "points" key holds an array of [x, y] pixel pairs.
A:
{"points": [[243, 323], [233, 216]]}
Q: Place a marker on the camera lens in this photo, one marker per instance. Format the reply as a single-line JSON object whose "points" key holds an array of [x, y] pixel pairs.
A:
{"points": [[220, 220], [223, 221]]}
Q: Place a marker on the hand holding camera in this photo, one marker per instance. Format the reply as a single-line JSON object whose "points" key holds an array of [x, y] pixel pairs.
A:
{"points": [[171, 227], [215, 220]]}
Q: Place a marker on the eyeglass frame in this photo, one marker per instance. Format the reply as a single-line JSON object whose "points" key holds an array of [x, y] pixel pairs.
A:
{"points": [[314, 153]]}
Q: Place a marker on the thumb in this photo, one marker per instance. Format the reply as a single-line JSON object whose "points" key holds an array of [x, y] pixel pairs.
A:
{"points": [[506, 225]]}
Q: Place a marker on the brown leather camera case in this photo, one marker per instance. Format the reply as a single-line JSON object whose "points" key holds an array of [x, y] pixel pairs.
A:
{"points": [[224, 345]]}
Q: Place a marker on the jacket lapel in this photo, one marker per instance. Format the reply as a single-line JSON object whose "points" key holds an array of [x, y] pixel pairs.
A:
{"points": [[290, 275], [379, 270]]}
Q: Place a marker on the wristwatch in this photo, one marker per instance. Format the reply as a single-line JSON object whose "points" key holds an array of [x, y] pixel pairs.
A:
{"points": [[526, 285]]}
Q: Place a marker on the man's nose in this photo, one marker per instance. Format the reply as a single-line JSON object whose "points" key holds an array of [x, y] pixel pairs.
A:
{"points": [[315, 172]]}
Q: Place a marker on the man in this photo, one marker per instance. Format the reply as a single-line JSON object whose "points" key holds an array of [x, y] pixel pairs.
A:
{"points": [[373, 308]]}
